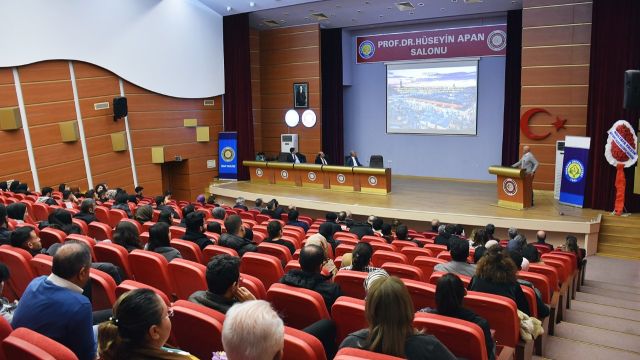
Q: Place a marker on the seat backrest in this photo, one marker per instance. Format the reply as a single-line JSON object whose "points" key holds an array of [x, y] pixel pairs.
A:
{"points": [[500, 312], [102, 214], [559, 265], [153, 269], [339, 234], [549, 271], [196, 331], [213, 250], [129, 285], [267, 268], [541, 282], [254, 285], [188, 249], [277, 250], [422, 294], [401, 244], [436, 275], [103, 290], [90, 242], [135, 223], [463, 338], [100, 231], [344, 249], [21, 273], [187, 277], [435, 249], [50, 236], [115, 215], [300, 345], [376, 161], [349, 316], [5, 330], [573, 262], [374, 239], [40, 211], [413, 252], [403, 271], [359, 354], [426, 264], [115, 254], [298, 307], [177, 231], [247, 215], [351, 283], [569, 263], [41, 264], [147, 225], [261, 218], [382, 256], [84, 228], [26, 344], [542, 248], [293, 264], [444, 255], [530, 294]]}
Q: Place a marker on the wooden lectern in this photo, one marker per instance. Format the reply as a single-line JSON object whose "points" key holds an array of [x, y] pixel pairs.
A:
{"points": [[514, 187]]}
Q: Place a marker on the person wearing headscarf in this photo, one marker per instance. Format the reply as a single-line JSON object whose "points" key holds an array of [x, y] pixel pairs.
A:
{"points": [[61, 219], [144, 213], [22, 188], [17, 211], [327, 230]]}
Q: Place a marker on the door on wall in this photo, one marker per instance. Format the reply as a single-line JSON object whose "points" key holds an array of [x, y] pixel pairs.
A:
{"points": [[175, 178]]}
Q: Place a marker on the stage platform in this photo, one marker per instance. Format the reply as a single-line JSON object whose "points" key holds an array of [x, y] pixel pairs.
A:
{"points": [[418, 200]]}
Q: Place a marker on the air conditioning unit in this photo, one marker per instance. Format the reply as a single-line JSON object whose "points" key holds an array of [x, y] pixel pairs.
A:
{"points": [[288, 141]]}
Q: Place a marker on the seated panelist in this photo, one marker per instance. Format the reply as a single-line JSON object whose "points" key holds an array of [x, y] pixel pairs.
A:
{"points": [[352, 160], [321, 159], [295, 157]]}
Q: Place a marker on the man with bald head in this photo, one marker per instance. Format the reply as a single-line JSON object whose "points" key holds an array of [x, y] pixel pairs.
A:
{"points": [[542, 237], [54, 305], [529, 163]]}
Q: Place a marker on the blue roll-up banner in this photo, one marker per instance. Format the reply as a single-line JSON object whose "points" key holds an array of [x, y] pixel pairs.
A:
{"points": [[228, 155], [574, 170]]}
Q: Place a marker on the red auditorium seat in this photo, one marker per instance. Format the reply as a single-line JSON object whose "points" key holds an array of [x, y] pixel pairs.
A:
{"points": [[147, 225], [422, 294], [306, 219], [351, 283], [102, 214], [188, 277], [213, 250], [401, 244], [436, 275], [41, 264], [412, 252], [261, 218], [5, 330], [100, 231], [115, 254], [404, 271], [349, 316], [40, 211], [444, 255], [344, 249], [339, 234], [435, 249], [84, 228], [144, 238], [541, 282], [254, 285], [258, 237], [382, 246], [153, 269], [298, 307], [293, 264], [188, 249], [267, 268], [247, 215], [382, 256], [291, 240], [300, 345], [50, 236], [17, 260], [347, 241], [359, 354], [135, 223], [177, 232], [549, 271], [429, 234], [542, 248], [373, 239], [27, 344], [290, 229], [530, 294], [103, 290], [129, 285], [196, 329], [156, 215], [500, 312], [277, 250], [115, 215], [426, 264]]}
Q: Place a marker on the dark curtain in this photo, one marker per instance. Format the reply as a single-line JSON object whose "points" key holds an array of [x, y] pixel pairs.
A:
{"points": [[332, 117], [511, 122], [615, 47], [238, 114]]}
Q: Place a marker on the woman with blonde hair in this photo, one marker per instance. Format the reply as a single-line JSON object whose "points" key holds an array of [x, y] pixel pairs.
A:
{"points": [[138, 329], [392, 332]]}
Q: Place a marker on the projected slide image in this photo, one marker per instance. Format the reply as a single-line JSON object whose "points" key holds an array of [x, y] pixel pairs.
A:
{"points": [[432, 98]]}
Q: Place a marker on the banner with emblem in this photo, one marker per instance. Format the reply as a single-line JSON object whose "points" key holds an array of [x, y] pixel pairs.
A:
{"points": [[489, 40], [228, 155], [574, 170]]}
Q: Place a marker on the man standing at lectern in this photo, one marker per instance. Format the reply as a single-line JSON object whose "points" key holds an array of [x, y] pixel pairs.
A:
{"points": [[529, 163]]}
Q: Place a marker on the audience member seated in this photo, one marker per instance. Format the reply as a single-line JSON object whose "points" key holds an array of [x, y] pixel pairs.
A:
{"points": [[332, 218], [270, 210], [402, 233], [219, 213], [160, 242], [3, 185], [512, 232], [223, 285], [385, 230], [17, 211], [435, 224], [211, 200], [138, 190], [541, 236], [450, 293], [317, 239], [200, 199], [69, 200], [571, 245], [87, 211], [27, 239], [459, 253], [5, 234], [312, 258], [327, 230], [46, 197], [361, 257], [259, 205], [195, 230], [444, 236], [139, 328], [361, 229], [517, 243], [274, 229], [240, 204], [188, 209], [234, 238], [144, 214], [61, 219], [376, 224], [543, 310], [166, 217], [479, 253], [344, 220], [6, 307], [531, 253], [161, 205], [255, 320], [101, 192], [22, 188], [54, 305], [480, 238], [214, 227], [13, 185], [496, 274], [458, 230], [126, 235], [392, 332], [293, 220]]}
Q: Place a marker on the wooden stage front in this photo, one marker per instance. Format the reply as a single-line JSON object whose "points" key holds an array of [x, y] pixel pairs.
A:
{"points": [[418, 200]]}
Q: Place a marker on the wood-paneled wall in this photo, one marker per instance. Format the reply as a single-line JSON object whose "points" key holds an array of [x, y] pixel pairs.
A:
{"points": [[15, 164], [556, 38], [287, 56], [256, 99]]}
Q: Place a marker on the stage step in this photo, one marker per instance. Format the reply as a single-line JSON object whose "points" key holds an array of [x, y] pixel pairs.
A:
{"points": [[618, 250], [559, 348], [618, 236]]}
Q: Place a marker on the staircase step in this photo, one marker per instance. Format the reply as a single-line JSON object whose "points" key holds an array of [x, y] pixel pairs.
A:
{"points": [[605, 310], [596, 336], [602, 321], [567, 349], [604, 300], [629, 238], [617, 294], [610, 286], [619, 230], [619, 250]]}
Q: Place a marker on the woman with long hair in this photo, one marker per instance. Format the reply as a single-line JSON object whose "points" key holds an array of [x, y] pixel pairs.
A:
{"points": [[496, 274], [165, 217], [361, 257], [160, 241], [62, 220], [126, 235], [571, 245], [138, 329], [18, 212], [392, 332]]}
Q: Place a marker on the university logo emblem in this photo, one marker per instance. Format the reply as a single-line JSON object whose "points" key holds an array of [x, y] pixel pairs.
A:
{"points": [[228, 154], [574, 171], [259, 172], [284, 174], [497, 40], [311, 176], [341, 179], [510, 187], [373, 181], [366, 49]]}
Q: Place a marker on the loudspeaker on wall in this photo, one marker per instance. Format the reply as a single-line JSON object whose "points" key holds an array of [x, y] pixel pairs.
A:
{"points": [[632, 89], [120, 109]]}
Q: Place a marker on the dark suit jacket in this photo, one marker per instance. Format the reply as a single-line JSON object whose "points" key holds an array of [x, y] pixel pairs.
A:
{"points": [[350, 161], [319, 160], [301, 157]]}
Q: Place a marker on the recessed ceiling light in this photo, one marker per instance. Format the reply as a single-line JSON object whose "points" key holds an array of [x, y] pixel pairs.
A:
{"points": [[420, 4], [411, 13], [320, 16], [358, 10], [252, 4], [454, 1], [366, 3], [405, 6], [381, 16], [282, 21], [228, 8], [306, 18], [441, 9], [389, 8]]}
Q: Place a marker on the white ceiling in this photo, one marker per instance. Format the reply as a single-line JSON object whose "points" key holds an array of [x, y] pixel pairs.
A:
{"points": [[354, 13]]}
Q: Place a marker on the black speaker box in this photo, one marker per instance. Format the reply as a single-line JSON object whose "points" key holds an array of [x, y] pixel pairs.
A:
{"points": [[119, 107], [632, 89]]}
